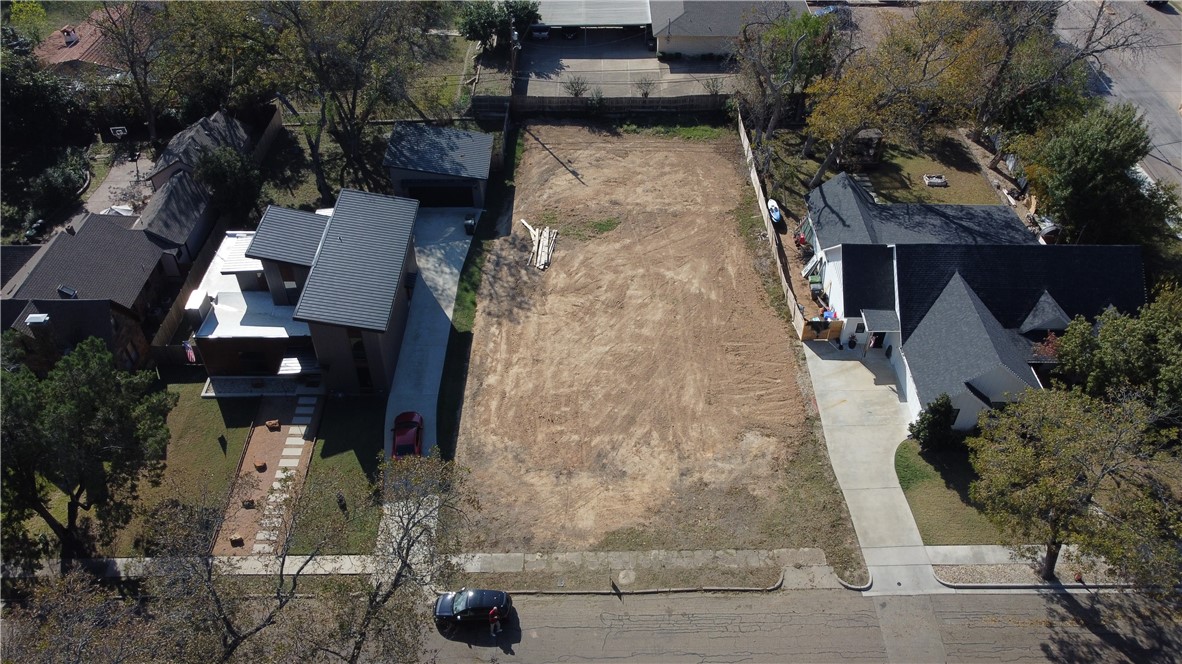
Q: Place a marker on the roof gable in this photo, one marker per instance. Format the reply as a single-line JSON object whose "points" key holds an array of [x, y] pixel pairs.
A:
{"points": [[358, 266], [101, 260], [71, 321], [176, 209], [959, 341], [205, 135], [287, 236], [1045, 315], [440, 150]]}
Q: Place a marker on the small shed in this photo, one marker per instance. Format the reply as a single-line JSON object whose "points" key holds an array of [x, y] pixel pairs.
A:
{"points": [[439, 166]]}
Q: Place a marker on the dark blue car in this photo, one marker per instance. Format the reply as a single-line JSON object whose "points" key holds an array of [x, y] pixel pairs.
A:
{"points": [[467, 606]]}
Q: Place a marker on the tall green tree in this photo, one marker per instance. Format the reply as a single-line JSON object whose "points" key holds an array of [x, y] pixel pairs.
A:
{"points": [[1125, 353], [232, 177], [1059, 467], [88, 431], [486, 21], [1082, 175]]}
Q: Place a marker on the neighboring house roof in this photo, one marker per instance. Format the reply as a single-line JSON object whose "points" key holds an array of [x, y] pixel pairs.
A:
{"points": [[101, 260], [72, 321], [594, 13], [441, 150], [89, 49], [842, 212], [201, 137], [176, 209], [13, 258], [287, 236], [1014, 280], [881, 320], [960, 340], [868, 276], [357, 270], [696, 18]]}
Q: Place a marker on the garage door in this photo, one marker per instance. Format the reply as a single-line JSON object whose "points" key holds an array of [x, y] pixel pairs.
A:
{"points": [[438, 196]]}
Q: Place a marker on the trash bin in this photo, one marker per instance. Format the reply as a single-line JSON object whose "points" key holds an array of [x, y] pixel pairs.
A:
{"points": [[470, 224]]}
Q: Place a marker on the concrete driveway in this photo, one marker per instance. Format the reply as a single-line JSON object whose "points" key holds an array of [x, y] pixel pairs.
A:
{"points": [[440, 249], [864, 420], [612, 60]]}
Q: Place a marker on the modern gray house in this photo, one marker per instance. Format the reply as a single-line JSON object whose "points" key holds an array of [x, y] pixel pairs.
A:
{"points": [[957, 297], [313, 295], [439, 166]]}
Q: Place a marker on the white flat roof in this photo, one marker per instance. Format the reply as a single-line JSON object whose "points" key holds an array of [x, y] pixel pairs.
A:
{"points": [[235, 313], [594, 13]]}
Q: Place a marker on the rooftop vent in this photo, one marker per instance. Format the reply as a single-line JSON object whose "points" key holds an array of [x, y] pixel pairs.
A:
{"points": [[37, 319], [67, 292]]}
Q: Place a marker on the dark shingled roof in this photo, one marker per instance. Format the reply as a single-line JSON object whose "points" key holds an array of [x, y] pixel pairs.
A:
{"points": [[357, 270], [881, 320], [958, 341], [102, 260], [288, 236], [175, 209], [13, 257], [72, 321], [205, 135], [698, 18], [842, 212], [1011, 279], [441, 150], [868, 276]]}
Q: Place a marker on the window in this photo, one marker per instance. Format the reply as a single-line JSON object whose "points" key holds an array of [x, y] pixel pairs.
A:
{"points": [[860, 328]]}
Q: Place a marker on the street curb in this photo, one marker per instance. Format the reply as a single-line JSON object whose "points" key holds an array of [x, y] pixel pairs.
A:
{"points": [[660, 591], [1054, 588]]}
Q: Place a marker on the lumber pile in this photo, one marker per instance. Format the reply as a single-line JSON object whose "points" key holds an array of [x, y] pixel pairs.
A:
{"points": [[543, 245]]}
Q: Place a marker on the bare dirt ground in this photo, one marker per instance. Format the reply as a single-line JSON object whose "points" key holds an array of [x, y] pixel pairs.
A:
{"points": [[640, 393]]}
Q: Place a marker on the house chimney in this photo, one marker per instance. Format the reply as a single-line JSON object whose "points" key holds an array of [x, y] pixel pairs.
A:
{"points": [[41, 328], [66, 292], [70, 35]]}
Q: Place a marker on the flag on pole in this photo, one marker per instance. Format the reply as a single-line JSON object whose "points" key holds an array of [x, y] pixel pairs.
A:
{"points": [[189, 354]]}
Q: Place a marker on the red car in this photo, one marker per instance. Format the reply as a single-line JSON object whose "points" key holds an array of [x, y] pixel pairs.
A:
{"points": [[408, 435]]}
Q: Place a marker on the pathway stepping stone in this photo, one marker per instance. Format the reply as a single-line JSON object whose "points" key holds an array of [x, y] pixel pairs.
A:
{"points": [[267, 535], [302, 420], [284, 473], [295, 441], [289, 463], [306, 401], [262, 548], [292, 452], [296, 430], [304, 410]]}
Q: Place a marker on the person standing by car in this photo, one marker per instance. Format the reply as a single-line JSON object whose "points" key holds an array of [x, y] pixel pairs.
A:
{"points": [[494, 622]]}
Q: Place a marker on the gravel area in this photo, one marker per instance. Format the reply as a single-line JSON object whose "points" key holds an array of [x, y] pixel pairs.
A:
{"points": [[1021, 574]]}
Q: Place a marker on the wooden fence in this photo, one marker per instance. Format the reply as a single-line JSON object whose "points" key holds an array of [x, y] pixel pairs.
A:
{"points": [[172, 320]]}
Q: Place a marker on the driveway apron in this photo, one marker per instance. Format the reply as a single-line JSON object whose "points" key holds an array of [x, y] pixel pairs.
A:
{"points": [[864, 420]]}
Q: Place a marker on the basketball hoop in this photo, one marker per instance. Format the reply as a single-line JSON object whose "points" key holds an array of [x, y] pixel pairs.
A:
{"points": [[118, 132]]}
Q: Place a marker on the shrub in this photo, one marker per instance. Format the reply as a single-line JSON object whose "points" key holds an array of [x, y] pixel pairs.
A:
{"points": [[575, 86], [644, 86], [933, 428], [58, 185]]}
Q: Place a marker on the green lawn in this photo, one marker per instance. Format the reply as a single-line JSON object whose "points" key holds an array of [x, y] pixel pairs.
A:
{"points": [[690, 130], [937, 490], [348, 450], [899, 179], [207, 437]]}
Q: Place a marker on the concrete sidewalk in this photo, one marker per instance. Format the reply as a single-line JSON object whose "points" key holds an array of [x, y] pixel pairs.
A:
{"points": [[440, 249], [864, 420]]}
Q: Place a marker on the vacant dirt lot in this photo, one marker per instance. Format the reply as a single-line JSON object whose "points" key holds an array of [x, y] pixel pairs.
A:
{"points": [[640, 393]]}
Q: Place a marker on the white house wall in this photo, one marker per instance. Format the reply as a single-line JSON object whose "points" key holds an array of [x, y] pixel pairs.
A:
{"points": [[691, 45], [999, 384], [970, 407], [831, 281]]}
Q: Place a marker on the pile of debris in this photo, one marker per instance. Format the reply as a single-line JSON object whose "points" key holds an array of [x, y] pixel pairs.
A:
{"points": [[543, 245]]}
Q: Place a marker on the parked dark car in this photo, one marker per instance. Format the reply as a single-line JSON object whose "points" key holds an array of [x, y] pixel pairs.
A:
{"points": [[408, 435], [470, 606]]}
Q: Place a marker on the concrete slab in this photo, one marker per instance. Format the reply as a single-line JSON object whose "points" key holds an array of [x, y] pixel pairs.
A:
{"points": [[267, 535], [293, 451], [972, 555], [289, 463], [905, 580], [882, 518], [297, 429], [492, 562], [895, 555], [292, 440], [301, 420], [305, 410], [307, 401], [261, 548]]}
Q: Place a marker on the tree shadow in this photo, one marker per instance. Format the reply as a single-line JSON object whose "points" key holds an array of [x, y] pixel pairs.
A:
{"points": [[955, 468], [1105, 628], [950, 152], [476, 634], [353, 425], [287, 164]]}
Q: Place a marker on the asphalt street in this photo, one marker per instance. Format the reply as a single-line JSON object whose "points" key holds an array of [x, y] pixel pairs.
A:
{"points": [[824, 626], [1151, 80]]}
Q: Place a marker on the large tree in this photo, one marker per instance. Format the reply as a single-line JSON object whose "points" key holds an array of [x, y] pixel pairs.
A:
{"points": [[486, 21], [1059, 467], [352, 62], [1081, 173], [1124, 353], [88, 431]]}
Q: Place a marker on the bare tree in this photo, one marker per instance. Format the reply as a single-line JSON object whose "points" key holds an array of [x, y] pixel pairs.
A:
{"points": [[575, 86], [644, 86]]}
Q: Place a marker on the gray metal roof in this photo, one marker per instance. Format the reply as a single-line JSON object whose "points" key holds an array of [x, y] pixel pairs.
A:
{"points": [[594, 13], [205, 135], [441, 150], [842, 212], [175, 209], [357, 270], [101, 261], [699, 18], [287, 236]]}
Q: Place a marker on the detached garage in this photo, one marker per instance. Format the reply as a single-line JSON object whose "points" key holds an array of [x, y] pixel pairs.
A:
{"points": [[439, 166]]}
